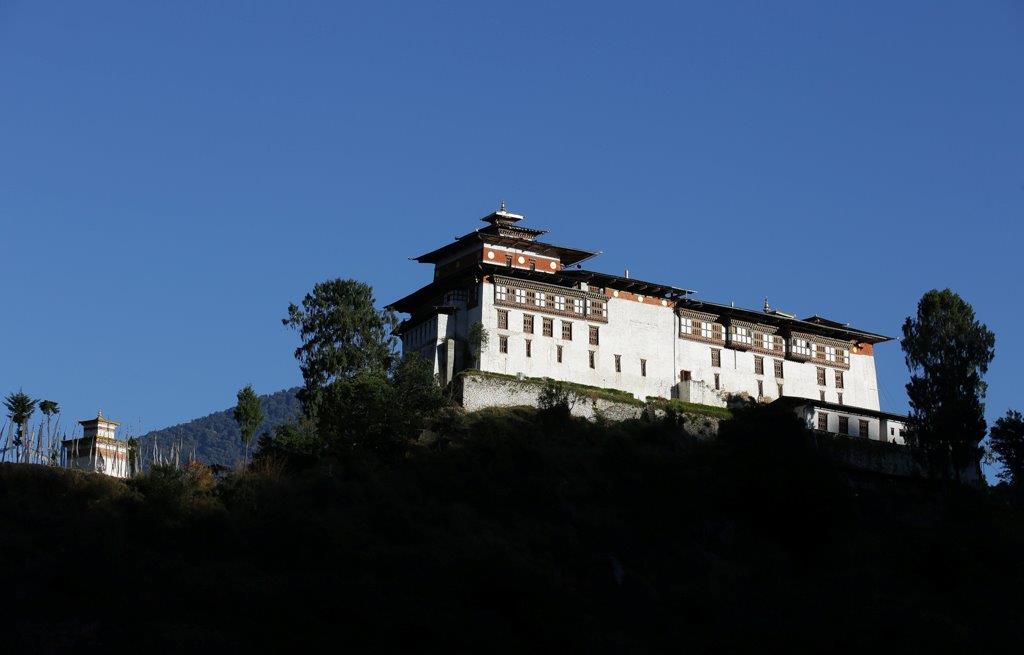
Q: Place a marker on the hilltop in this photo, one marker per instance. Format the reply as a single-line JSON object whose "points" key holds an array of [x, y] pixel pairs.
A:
{"points": [[215, 438], [516, 533]]}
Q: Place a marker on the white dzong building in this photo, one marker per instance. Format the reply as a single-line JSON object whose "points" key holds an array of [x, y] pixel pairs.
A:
{"points": [[545, 316]]}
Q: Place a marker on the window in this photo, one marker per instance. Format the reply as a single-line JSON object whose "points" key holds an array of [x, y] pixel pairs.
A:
{"points": [[542, 299], [686, 326], [503, 345], [800, 347], [844, 425], [531, 297], [718, 382], [643, 367], [500, 292], [577, 305], [759, 365], [594, 340], [840, 398], [502, 319], [780, 391], [892, 432], [685, 376], [717, 332], [716, 357], [760, 389], [766, 341], [864, 428], [822, 396], [823, 422], [558, 354], [821, 376], [521, 295], [705, 330], [839, 379], [742, 335], [778, 369], [528, 323], [567, 330], [593, 359], [596, 308], [548, 328], [529, 348], [618, 363], [560, 303]]}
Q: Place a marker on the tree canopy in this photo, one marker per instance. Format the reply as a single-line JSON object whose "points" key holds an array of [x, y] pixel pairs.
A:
{"points": [[343, 334], [947, 351], [248, 414], [1007, 441]]}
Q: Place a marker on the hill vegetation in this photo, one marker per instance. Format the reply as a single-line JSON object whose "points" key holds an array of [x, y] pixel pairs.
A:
{"points": [[520, 530], [216, 438]]}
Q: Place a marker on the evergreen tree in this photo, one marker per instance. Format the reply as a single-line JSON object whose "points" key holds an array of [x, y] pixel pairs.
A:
{"points": [[947, 351], [1007, 439], [249, 415], [20, 407], [343, 334]]}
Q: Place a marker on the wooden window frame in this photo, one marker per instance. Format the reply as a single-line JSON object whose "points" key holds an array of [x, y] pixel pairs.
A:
{"points": [[528, 321], [503, 344], [502, 319], [594, 335], [566, 330], [548, 326]]}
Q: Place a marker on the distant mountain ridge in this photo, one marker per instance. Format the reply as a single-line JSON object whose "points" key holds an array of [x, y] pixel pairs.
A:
{"points": [[215, 438]]}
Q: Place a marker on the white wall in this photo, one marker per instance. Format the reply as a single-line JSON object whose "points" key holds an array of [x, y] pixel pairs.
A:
{"points": [[636, 331]]}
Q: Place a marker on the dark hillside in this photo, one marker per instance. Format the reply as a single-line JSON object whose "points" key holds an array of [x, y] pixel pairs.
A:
{"points": [[216, 438], [519, 535]]}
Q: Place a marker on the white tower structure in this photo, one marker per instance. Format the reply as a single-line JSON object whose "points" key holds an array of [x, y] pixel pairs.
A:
{"points": [[98, 449]]}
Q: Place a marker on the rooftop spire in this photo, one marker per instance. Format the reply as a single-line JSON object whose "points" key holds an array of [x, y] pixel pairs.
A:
{"points": [[503, 216]]}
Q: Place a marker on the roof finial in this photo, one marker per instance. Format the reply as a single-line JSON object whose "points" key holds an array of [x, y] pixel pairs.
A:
{"points": [[767, 307], [99, 413], [502, 208]]}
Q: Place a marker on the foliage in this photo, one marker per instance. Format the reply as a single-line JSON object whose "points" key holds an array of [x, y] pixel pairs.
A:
{"points": [[947, 351], [619, 538], [371, 412], [20, 406], [683, 407], [216, 438], [248, 413], [557, 400], [1007, 441], [49, 408], [343, 335], [478, 339]]}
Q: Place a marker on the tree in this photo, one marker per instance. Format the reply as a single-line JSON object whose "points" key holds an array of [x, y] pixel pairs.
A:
{"points": [[373, 413], [478, 340], [20, 406], [49, 408], [557, 400], [249, 415], [947, 351], [1007, 441], [343, 334]]}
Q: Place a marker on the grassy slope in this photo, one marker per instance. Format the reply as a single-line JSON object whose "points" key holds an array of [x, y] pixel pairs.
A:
{"points": [[578, 538]]}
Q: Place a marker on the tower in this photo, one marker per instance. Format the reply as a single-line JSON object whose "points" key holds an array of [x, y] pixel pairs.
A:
{"points": [[98, 449]]}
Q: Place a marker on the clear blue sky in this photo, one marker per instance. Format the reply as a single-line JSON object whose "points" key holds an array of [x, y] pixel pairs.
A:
{"points": [[173, 174]]}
